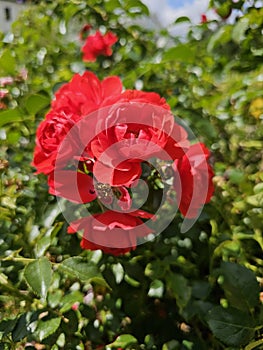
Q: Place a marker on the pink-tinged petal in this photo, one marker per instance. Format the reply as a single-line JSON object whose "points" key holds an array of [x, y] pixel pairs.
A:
{"points": [[6, 81], [74, 186], [3, 93]]}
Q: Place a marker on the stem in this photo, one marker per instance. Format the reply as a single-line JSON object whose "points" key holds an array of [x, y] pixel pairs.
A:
{"points": [[254, 344], [24, 260]]}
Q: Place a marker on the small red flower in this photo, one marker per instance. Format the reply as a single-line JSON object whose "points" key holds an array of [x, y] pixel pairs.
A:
{"points": [[98, 44], [193, 180], [203, 18], [113, 232]]}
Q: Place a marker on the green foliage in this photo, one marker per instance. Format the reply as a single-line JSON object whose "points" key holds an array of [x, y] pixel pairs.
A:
{"points": [[195, 290]]}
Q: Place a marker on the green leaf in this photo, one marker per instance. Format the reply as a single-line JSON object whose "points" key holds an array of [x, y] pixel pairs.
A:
{"points": [[123, 340], [181, 53], [156, 289], [46, 328], [41, 246], [84, 270], [239, 30], [136, 4], [256, 200], [179, 287], [233, 327], [7, 62], [182, 19], [240, 286], [222, 36], [21, 330], [6, 326], [35, 103], [38, 275], [68, 300], [10, 116]]}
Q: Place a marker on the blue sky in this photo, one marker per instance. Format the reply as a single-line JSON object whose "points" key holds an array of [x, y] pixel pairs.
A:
{"points": [[177, 3]]}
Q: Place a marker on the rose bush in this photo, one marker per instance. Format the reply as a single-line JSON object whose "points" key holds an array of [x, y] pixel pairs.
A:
{"points": [[99, 156], [198, 284]]}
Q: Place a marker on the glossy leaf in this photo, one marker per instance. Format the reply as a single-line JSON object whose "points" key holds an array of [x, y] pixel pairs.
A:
{"points": [[38, 276], [84, 270], [233, 327]]}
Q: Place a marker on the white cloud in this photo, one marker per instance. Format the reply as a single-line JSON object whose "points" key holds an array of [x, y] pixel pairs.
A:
{"points": [[167, 14]]}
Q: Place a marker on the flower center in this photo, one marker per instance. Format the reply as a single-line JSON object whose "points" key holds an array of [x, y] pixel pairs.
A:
{"points": [[103, 190]]}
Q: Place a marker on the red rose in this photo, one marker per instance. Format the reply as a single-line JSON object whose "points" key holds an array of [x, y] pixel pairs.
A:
{"points": [[193, 180], [98, 44], [114, 233], [142, 128], [50, 134], [86, 93], [74, 100]]}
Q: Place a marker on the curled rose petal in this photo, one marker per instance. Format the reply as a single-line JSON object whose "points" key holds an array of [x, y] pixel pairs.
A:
{"points": [[114, 233]]}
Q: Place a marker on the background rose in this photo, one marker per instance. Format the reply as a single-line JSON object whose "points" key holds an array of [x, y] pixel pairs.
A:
{"points": [[98, 44]]}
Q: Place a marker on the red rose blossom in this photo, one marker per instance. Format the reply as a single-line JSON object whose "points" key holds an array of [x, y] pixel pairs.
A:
{"points": [[50, 134], [143, 128], [98, 44], [114, 233], [193, 180], [86, 93], [74, 100]]}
